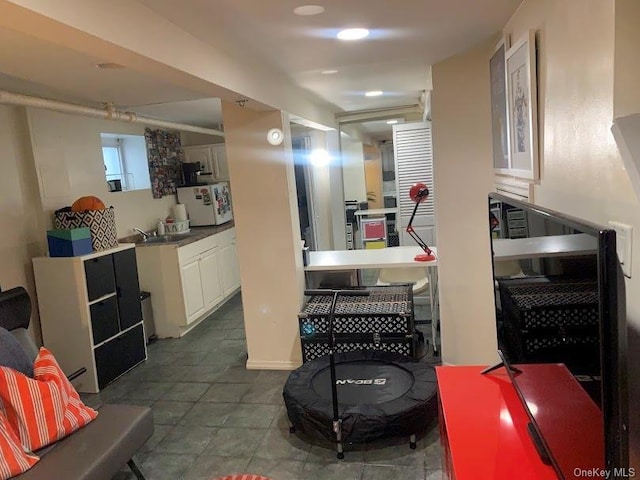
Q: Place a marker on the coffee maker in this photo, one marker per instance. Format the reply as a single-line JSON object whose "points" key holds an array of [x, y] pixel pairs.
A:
{"points": [[192, 173]]}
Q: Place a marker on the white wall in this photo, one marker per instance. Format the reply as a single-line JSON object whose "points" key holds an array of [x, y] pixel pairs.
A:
{"points": [[67, 154], [353, 178], [130, 33]]}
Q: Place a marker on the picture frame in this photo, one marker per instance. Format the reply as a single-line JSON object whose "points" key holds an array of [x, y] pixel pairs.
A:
{"points": [[522, 108], [499, 112]]}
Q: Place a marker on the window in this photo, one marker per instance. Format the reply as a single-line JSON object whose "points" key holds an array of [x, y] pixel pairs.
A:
{"points": [[125, 162]]}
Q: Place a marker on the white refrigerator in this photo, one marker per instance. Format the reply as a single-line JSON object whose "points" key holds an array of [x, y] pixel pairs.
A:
{"points": [[207, 204]]}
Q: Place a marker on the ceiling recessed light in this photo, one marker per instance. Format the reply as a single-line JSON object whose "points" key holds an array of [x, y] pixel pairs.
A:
{"points": [[328, 72], [353, 34], [392, 122], [373, 93], [109, 66], [308, 10]]}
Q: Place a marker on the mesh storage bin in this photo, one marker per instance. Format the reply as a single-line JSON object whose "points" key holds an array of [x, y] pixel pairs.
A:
{"points": [[382, 320], [550, 321]]}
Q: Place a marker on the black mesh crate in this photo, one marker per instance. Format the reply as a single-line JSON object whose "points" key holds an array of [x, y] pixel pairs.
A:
{"points": [[318, 346], [550, 320], [386, 313], [387, 309]]}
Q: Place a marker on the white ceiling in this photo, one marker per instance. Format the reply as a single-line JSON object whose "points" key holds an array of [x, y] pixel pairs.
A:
{"points": [[407, 36]]}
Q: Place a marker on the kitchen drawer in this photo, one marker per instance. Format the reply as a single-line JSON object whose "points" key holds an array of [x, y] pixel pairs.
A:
{"points": [[196, 248], [227, 237], [99, 277], [119, 355], [104, 319]]}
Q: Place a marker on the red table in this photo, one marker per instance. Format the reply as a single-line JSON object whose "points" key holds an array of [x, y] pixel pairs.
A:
{"points": [[484, 425]]}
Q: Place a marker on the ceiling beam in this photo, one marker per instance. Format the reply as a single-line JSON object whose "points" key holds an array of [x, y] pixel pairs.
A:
{"points": [[376, 114]]}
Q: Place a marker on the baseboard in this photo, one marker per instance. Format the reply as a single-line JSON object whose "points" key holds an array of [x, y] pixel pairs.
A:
{"points": [[272, 365]]}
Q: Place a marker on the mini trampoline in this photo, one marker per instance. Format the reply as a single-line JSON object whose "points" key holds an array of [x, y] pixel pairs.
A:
{"points": [[380, 394]]}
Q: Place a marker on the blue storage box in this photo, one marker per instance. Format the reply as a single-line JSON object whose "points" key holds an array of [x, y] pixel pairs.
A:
{"points": [[69, 243]]}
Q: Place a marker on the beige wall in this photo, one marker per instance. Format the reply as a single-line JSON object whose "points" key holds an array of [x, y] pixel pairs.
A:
{"points": [[373, 174], [67, 154], [579, 48], [462, 178], [268, 234], [20, 213]]}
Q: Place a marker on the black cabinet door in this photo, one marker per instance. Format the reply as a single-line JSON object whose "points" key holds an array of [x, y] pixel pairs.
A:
{"points": [[119, 355], [104, 319], [126, 272], [99, 277]]}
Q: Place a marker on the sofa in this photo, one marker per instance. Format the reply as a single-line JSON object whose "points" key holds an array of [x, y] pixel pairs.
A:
{"points": [[97, 451]]}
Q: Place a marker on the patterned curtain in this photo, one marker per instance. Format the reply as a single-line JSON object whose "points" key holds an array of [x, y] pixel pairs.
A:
{"points": [[165, 156]]}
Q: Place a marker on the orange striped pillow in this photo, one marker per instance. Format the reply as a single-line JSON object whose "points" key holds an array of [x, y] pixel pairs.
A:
{"points": [[13, 460], [43, 409]]}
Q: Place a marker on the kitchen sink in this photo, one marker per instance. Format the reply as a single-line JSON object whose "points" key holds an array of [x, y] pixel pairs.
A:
{"points": [[171, 238]]}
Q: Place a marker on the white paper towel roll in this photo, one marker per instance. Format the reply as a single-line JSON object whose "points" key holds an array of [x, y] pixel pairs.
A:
{"points": [[179, 212]]}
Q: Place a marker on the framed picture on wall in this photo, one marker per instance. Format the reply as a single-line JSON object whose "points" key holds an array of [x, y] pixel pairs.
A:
{"points": [[522, 108], [499, 118]]}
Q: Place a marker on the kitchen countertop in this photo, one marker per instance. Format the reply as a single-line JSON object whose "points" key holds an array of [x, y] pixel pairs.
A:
{"points": [[195, 234]]}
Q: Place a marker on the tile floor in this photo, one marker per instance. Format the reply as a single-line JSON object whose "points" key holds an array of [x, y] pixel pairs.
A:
{"points": [[213, 417]]}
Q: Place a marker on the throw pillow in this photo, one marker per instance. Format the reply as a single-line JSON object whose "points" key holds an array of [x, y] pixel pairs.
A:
{"points": [[12, 354], [13, 460], [43, 409]]}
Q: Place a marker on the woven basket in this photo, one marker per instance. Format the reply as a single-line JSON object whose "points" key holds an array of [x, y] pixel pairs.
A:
{"points": [[101, 223]]}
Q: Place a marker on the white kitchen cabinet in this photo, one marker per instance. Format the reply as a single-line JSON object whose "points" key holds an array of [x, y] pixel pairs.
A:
{"points": [[210, 278], [213, 158], [187, 282], [229, 268], [90, 314], [192, 289]]}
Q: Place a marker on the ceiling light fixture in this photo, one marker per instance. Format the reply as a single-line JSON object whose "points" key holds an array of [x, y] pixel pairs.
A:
{"points": [[308, 10], [373, 93], [353, 34], [392, 122], [328, 72], [319, 157]]}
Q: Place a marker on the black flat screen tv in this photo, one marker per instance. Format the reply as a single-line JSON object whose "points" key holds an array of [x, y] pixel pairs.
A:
{"points": [[560, 300]]}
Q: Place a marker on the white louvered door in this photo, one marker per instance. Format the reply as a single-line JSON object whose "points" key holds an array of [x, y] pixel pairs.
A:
{"points": [[413, 153]]}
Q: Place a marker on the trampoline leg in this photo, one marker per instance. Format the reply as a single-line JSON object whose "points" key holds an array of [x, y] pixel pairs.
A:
{"points": [[337, 428], [412, 442]]}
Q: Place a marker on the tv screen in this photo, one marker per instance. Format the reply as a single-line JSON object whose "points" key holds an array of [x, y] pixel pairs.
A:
{"points": [[560, 321]]}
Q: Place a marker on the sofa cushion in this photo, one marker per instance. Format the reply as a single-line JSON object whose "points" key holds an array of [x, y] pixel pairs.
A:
{"points": [[12, 354], [44, 409], [13, 459]]}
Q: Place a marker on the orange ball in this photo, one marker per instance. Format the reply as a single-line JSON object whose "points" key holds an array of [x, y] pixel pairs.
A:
{"points": [[87, 203]]}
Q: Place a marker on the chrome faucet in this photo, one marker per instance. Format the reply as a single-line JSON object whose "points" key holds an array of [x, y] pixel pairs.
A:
{"points": [[144, 234]]}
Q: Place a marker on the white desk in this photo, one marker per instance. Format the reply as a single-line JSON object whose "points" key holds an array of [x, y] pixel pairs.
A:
{"points": [[549, 246], [340, 260]]}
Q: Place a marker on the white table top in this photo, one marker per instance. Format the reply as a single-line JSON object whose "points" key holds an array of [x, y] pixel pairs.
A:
{"points": [[552, 245], [372, 258]]}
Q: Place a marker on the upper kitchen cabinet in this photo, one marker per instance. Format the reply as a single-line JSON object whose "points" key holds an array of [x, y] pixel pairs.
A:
{"points": [[213, 158]]}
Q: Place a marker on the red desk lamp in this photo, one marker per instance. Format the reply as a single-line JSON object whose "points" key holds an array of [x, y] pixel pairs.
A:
{"points": [[419, 193]]}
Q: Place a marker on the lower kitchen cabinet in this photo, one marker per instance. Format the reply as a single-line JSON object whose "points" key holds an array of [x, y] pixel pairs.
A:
{"points": [[188, 282], [90, 314]]}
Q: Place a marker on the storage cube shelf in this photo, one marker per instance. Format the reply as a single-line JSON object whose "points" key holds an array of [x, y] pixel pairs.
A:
{"points": [[90, 314]]}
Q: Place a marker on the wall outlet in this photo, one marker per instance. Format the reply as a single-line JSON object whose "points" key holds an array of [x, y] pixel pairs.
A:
{"points": [[624, 240]]}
